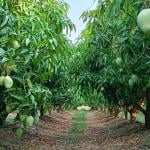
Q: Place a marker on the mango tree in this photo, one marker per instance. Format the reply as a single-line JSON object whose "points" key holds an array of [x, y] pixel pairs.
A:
{"points": [[32, 48], [116, 37]]}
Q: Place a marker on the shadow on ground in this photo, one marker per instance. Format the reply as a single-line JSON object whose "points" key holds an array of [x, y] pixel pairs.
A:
{"points": [[103, 132]]}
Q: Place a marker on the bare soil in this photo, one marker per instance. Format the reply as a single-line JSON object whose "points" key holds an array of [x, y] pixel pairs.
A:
{"points": [[103, 132]]}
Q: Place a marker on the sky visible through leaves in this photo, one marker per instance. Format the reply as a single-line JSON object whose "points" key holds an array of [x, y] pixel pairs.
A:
{"points": [[76, 9]]}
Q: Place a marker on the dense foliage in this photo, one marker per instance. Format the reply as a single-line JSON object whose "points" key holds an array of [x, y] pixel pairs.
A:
{"points": [[116, 60], [33, 52]]}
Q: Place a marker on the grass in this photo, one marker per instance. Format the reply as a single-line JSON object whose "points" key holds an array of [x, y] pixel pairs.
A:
{"points": [[78, 126], [79, 116]]}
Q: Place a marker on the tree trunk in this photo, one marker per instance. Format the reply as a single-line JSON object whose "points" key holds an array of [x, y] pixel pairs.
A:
{"points": [[132, 116], [106, 110], [117, 111], [110, 110], [147, 116], [42, 111], [126, 112], [59, 109]]}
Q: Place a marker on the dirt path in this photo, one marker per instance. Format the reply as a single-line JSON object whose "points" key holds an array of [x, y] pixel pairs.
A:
{"points": [[103, 132]]}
